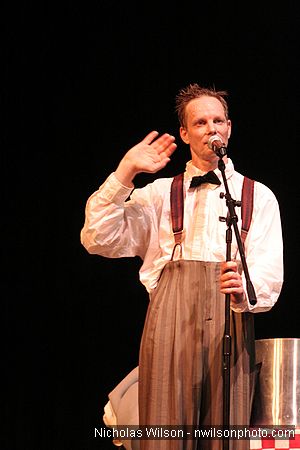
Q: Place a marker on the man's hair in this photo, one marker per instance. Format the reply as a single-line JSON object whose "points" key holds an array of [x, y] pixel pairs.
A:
{"points": [[194, 91]]}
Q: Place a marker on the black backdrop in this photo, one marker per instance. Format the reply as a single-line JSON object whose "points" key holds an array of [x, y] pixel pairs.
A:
{"points": [[82, 84]]}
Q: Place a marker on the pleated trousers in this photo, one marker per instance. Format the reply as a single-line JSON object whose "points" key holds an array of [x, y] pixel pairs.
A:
{"points": [[181, 358]]}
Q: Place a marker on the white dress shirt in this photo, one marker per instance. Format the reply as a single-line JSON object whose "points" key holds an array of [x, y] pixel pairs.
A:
{"points": [[118, 226]]}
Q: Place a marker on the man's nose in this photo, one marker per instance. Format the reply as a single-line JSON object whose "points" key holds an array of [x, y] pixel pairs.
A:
{"points": [[212, 128]]}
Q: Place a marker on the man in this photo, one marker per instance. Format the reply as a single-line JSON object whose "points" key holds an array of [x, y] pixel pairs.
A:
{"points": [[180, 366]]}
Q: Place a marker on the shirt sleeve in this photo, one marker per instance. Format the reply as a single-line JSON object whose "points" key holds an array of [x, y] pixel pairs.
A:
{"points": [[115, 226], [264, 252]]}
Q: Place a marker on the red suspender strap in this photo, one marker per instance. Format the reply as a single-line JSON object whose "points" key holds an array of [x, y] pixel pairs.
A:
{"points": [[176, 199], [247, 206]]}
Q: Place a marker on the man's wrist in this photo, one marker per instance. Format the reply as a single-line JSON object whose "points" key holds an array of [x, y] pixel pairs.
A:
{"points": [[237, 298], [125, 173]]}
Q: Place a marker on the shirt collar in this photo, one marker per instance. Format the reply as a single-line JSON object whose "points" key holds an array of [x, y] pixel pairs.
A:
{"points": [[192, 171]]}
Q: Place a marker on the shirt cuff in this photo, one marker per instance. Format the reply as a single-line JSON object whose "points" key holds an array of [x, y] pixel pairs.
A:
{"points": [[242, 306], [114, 191]]}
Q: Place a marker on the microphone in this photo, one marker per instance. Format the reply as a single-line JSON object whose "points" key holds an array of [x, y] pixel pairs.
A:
{"points": [[216, 144]]}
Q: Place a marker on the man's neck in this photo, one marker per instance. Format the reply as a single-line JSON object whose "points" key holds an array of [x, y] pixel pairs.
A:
{"points": [[207, 165]]}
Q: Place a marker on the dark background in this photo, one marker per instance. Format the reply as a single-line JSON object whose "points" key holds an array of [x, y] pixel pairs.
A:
{"points": [[82, 84]]}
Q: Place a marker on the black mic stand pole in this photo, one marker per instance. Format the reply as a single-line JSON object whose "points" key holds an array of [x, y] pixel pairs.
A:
{"points": [[230, 220]]}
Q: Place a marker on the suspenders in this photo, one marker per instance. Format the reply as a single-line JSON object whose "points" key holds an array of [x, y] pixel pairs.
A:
{"points": [[247, 206], [177, 201]]}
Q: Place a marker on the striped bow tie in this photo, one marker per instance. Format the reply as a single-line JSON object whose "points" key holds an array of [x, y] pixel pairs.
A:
{"points": [[209, 177]]}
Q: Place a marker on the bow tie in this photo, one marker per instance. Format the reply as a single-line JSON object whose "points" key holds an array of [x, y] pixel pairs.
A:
{"points": [[209, 177]]}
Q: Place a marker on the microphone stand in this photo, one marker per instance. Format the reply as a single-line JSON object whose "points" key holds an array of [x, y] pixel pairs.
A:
{"points": [[231, 220]]}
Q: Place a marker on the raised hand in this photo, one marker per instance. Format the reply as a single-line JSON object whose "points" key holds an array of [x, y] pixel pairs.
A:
{"points": [[150, 155]]}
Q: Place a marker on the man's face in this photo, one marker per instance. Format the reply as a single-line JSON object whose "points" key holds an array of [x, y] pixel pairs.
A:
{"points": [[204, 117]]}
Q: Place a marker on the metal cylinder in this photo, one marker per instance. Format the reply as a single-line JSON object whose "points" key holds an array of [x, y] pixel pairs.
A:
{"points": [[277, 392]]}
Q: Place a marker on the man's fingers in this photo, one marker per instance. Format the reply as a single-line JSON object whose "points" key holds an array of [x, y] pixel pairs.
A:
{"points": [[172, 147], [150, 137], [229, 266], [162, 143]]}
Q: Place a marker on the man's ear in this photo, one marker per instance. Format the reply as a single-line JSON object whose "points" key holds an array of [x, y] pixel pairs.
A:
{"points": [[229, 128], [184, 135]]}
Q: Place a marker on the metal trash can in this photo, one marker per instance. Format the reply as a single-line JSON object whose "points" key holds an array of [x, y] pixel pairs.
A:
{"points": [[277, 392]]}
